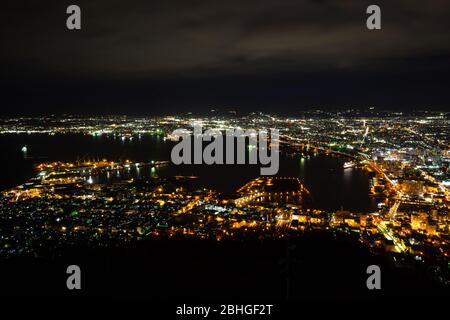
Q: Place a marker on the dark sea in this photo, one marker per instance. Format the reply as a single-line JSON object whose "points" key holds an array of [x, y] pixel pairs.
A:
{"points": [[331, 186]]}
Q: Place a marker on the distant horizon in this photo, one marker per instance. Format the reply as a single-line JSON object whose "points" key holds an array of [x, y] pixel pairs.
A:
{"points": [[227, 112]]}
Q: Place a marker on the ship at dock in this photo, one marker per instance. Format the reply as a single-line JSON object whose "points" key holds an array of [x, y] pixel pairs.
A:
{"points": [[349, 165]]}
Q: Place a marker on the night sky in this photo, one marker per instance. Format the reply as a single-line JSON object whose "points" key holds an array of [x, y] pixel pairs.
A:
{"points": [[163, 57]]}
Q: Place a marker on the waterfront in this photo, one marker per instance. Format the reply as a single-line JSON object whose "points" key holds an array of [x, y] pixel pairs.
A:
{"points": [[108, 184], [331, 187]]}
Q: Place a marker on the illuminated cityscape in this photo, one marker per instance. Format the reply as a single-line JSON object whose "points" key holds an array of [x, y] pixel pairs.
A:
{"points": [[225, 159], [115, 202]]}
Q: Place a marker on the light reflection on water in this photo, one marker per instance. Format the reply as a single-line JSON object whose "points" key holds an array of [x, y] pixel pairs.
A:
{"points": [[331, 186]]}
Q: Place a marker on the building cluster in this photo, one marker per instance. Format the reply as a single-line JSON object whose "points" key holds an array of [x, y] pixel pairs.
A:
{"points": [[97, 202]]}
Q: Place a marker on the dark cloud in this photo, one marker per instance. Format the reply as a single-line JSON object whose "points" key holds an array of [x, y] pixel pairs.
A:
{"points": [[148, 52]]}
